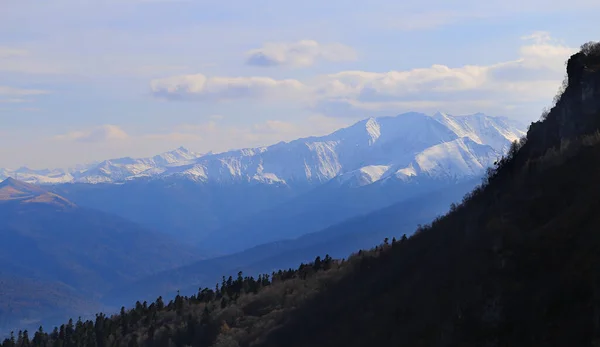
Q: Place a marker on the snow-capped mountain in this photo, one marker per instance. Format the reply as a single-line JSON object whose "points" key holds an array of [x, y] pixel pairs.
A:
{"points": [[108, 171], [54, 176], [375, 149], [454, 159]]}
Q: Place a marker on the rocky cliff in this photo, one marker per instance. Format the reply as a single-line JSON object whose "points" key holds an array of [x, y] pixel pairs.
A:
{"points": [[577, 110]]}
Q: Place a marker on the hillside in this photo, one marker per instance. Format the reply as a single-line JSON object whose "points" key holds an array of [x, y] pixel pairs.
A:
{"points": [[181, 208], [322, 208], [44, 238], [514, 265], [338, 241], [25, 303]]}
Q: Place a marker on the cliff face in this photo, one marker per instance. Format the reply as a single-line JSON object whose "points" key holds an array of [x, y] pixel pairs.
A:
{"points": [[577, 112]]}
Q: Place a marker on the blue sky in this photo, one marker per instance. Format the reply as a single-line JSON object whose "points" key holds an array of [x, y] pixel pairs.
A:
{"points": [[84, 80]]}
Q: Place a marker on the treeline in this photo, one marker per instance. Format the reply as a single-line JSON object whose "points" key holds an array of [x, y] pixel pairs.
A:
{"points": [[197, 320]]}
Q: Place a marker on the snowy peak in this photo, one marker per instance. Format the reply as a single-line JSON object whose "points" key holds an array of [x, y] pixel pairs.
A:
{"points": [[369, 151], [455, 159], [37, 176], [494, 131], [438, 146], [177, 156], [373, 130]]}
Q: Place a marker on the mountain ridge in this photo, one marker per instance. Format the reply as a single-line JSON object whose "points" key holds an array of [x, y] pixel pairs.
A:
{"points": [[12, 190], [393, 140], [74, 252]]}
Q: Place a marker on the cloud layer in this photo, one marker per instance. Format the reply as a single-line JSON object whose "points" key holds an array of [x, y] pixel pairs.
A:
{"points": [[535, 74], [200, 87], [8, 52], [299, 54], [103, 133], [6, 90]]}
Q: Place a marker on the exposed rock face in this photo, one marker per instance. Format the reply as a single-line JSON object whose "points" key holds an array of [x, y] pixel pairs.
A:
{"points": [[577, 112]]}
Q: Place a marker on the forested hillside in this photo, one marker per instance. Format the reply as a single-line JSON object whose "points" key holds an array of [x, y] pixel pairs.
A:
{"points": [[515, 264]]}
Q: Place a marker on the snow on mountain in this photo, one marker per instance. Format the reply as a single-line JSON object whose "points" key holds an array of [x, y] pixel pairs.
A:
{"points": [[456, 159], [372, 150], [459, 158], [497, 132], [55, 176], [177, 156]]}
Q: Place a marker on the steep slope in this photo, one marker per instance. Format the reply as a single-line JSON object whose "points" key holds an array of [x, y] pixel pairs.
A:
{"points": [[512, 272], [484, 130], [515, 265]]}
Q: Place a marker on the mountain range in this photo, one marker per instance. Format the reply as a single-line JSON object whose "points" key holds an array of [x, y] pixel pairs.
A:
{"points": [[371, 150], [58, 258], [230, 201]]}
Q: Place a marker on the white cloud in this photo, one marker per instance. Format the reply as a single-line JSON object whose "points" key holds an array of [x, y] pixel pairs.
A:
{"points": [[14, 101], [545, 52], [213, 136], [175, 137], [297, 54], [8, 52], [200, 87], [533, 76], [275, 127], [103, 133], [5, 90], [430, 20]]}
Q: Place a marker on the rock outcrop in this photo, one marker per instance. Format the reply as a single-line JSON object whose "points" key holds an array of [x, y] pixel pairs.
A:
{"points": [[577, 111]]}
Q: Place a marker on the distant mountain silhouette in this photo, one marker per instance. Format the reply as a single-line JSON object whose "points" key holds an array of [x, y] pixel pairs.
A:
{"points": [[337, 240], [46, 238]]}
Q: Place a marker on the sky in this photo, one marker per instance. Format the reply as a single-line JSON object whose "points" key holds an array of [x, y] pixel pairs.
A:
{"points": [[87, 80]]}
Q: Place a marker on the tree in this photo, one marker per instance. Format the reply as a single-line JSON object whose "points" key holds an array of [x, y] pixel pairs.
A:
{"points": [[160, 304], [317, 264], [591, 48], [39, 337]]}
